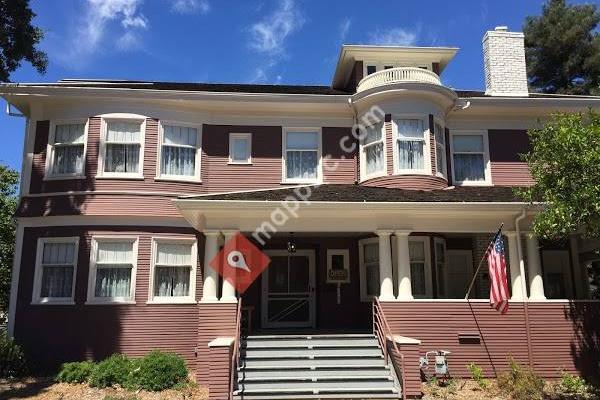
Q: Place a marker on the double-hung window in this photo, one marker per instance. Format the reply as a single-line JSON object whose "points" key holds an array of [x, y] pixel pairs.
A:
{"points": [[179, 152], [373, 151], [470, 158], [56, 264], [123, 148], [174, 270], [420, 270], [440, 149], [113, 264], [240, 148], [66, 150], [369, 268], [302, 155], [410, 146]]}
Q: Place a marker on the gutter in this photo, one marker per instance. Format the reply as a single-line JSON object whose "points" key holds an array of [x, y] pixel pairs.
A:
{"points": [[523, 286]]}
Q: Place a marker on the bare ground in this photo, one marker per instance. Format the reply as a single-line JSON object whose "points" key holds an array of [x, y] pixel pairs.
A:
{"points": [[47, 389]]}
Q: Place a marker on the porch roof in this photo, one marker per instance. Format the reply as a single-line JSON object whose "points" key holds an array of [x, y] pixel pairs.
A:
{"points": [[355, 193]]}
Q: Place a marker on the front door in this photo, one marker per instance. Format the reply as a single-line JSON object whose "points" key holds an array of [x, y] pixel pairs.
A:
{"points": [[288, 295], [459, 272]]}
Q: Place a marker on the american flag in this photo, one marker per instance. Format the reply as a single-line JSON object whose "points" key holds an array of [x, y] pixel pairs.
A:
{"points": [[498, 280]]}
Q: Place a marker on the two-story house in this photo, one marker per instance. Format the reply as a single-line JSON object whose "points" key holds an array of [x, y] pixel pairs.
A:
{"points": [[386, 185]]}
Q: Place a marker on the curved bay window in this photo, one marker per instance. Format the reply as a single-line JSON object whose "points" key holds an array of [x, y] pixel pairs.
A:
{"points": [[373, 151], [410, 146]]}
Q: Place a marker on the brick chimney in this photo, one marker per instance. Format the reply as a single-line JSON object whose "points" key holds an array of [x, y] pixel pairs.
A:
{"points": [[504, 60]]}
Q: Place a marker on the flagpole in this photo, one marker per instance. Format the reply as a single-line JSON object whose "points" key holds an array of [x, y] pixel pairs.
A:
{"points": [[481, 261]]}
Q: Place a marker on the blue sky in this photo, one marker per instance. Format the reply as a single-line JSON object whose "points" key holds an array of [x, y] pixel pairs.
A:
{"points": [[271, 41]]}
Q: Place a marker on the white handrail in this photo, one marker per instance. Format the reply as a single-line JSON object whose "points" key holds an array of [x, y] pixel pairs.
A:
{"points": [[397, 75]]}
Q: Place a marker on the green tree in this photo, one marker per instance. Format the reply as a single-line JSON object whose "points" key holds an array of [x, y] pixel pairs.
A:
{"points": [[18, 38], [564, 164], [562, 48], [8, 206]]}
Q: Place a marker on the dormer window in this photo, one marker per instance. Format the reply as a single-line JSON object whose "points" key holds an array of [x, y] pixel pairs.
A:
{"points": [[373, 151], [410, 146]]}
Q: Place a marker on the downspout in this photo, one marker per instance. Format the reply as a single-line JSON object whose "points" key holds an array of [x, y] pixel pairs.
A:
{"points": [[523, 286], [356, 142]]}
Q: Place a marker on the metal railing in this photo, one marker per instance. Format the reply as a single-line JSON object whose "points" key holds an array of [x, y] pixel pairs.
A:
{"points": [[397, 75], [235, 355], [382, 330]]}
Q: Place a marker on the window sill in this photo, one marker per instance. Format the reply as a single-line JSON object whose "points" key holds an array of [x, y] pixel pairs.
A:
{"points": [[413, 172], [239, 163], [53, 303], [482, 183], [63, 177], [171, 301], [177, 179], [317, 182], [108, 302], [123, 177]]}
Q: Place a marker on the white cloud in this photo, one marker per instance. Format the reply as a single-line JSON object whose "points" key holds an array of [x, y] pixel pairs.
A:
{"points": [[269, 34], [393, 37], [190, 6], [129, 41], [345, 28]]}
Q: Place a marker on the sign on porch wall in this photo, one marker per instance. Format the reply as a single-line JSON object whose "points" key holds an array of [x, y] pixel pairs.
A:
{"points": [[338, 269]]}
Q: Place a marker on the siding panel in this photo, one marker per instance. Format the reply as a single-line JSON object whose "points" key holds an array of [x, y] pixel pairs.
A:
{"points": [[505, 148]]}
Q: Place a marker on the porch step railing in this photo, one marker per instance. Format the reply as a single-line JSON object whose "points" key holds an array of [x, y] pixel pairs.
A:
{"points": [[235, 356], [383, 333]]}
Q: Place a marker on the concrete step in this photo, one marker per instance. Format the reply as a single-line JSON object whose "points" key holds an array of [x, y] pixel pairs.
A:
{"points": [[310, 353], [311, 373], [317, 387], [319, 336], [323, 396], [310, 343]]}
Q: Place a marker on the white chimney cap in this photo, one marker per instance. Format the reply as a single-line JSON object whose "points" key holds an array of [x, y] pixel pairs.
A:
{"points": [[501, 28]]}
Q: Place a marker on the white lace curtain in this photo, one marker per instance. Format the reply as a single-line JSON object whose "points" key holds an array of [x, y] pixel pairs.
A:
{"points": [[411, 143], [172, 270], [122, 147], [179, 150], [302, 155], [417, 267], [57, 270], [114, 265], [68, 149], [371, 262], [373, 143], [468, 157]]}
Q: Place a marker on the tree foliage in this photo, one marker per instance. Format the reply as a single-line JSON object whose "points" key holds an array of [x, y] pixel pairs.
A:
{"points": [[564, 164], [562, 47], [8, 206], [19, 38]]}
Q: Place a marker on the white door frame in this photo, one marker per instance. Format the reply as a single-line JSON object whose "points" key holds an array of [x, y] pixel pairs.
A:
{"points": [[469, 254], [311, 291]]}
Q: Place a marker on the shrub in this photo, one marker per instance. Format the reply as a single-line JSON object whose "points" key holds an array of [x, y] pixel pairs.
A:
{"points": [[521, 383], [477, 375], [158, 371], [115, 370], [75, 372], [12, 358], [574, 385]]}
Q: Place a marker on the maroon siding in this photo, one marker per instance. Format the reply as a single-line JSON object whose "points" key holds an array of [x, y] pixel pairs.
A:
{"points": [[215, 320], [73, 332], [508, 169], [338, 165], [563, 335], [219, 372]]}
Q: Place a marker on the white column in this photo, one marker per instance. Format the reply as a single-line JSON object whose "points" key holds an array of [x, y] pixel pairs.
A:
{"points": [[228, 290], [404, 283], [534, 264], [386, 291], [211, 277], [518, 291]]}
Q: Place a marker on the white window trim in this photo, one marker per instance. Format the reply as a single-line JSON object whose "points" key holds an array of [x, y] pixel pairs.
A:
{"points": [[37, 279], [486, 158], [364, 297], [345, 253], [441, 241], [319, 178], [198, 163], [244, 136], [191, 298], [102, 152], [428, 279], [91, 297], [48, 175], [363, 157], [426, 170], [444, 173]]}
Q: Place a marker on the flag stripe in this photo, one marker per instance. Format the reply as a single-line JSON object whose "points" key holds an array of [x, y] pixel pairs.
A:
{"points": [[498, 278]]}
